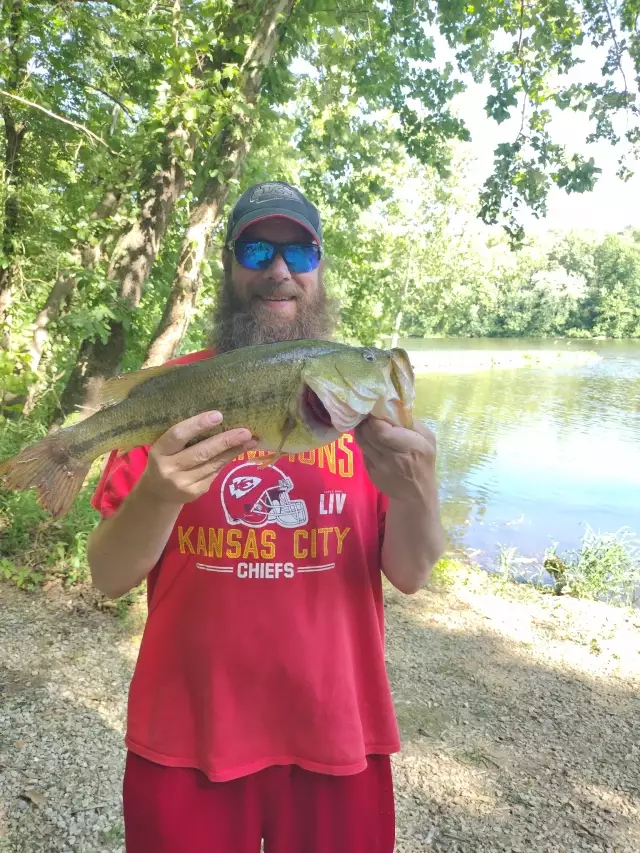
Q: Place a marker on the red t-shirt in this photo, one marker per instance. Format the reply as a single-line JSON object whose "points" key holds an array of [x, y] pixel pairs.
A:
{"points": [[264, 642]]}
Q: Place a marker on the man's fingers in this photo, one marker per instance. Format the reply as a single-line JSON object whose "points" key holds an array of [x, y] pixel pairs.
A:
{"points": [[385, 436], [369, 448], [225, 444], [178, 436], [206, 473], [379, 435]]}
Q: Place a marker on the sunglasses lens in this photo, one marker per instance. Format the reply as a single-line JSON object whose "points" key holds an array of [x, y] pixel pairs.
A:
{"points": [[258, 255], [302, 257], [255, 255]]}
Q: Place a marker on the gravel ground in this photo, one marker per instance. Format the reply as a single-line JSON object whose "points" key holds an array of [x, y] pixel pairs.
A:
{"points": [[520, 716]]}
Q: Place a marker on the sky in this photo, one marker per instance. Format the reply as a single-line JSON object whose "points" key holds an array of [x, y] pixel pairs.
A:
{"points": [[611, 206]]}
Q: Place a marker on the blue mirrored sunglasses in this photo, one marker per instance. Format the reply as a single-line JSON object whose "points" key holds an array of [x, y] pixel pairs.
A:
{"points": [[259, 254]]}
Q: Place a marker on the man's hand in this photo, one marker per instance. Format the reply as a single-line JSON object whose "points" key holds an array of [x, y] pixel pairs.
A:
{"points": [[178, 474], [124, 547], [400, 462]]}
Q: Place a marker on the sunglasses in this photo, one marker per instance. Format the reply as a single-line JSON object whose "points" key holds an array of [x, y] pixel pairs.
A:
{"points": [[259, 254]]}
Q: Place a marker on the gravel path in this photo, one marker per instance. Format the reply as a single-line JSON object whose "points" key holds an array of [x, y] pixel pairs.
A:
{"points": [[520, 716]]}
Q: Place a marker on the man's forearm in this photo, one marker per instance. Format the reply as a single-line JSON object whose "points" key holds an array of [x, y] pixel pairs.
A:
{"points": [[124, 548], [413, 542]]}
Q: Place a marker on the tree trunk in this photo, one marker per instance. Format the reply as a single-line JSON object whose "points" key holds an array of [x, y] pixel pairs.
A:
{"points": [[94, 363], [182, 296], [130, 265], [232, 146], [85, 255], [14, 137], [409, 277], [396, 330]]}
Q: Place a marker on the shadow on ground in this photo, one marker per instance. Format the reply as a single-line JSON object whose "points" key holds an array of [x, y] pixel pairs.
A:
{"points": [[502, 750]]}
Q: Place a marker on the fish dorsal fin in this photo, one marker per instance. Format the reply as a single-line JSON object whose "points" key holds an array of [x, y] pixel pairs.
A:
{"points": [[118, 388]]}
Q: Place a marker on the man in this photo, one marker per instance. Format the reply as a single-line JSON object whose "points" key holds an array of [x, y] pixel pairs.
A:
{"points": [[260, 706]]}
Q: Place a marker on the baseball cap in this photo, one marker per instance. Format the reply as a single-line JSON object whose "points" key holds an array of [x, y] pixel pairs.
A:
{"points": [[273, 198]]}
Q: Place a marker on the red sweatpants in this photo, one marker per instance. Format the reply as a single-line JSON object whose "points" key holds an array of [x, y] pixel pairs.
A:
{"points": [[178, 810]]}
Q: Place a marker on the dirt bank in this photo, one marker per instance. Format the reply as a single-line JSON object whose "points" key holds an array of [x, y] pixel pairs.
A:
{"points": [[520, 715]]}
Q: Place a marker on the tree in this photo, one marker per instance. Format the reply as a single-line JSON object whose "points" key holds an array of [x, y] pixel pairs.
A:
{"points": [[229, 153], [160, 102]]}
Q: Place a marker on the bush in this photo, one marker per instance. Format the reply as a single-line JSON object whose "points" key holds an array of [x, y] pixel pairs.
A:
{"points": [[605, 567], [33, 545]]}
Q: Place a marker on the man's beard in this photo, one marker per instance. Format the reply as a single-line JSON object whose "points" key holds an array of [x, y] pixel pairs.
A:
{"points": [[238, 324]]}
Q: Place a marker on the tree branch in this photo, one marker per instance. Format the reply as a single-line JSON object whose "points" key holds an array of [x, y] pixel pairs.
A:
{"points": [[102, 92], [523, 81], [75, 124], [616, 45]]}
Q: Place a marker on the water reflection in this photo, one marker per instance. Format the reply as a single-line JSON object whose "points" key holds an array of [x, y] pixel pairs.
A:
{"points": [[529, 456]]}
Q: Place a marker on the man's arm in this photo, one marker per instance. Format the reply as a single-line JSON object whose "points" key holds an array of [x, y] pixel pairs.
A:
{"points": [[401, 463], [123, 548]]}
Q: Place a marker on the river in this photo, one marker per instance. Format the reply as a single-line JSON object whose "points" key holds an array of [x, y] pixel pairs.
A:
{"points": [[527, 457]]}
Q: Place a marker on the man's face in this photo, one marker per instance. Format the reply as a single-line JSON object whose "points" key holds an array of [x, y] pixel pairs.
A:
{"points": [[274, 304]]}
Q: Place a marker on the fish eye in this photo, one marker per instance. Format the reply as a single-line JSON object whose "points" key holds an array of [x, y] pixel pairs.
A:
{"points": [[368, 356]]}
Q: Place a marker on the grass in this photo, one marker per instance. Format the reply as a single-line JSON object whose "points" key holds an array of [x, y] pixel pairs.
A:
{"points": [[446, 571], [605, 567], [36, 548]]}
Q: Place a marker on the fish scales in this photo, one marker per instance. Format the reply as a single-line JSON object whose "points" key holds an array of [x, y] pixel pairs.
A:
{"points": [[243, 404]]}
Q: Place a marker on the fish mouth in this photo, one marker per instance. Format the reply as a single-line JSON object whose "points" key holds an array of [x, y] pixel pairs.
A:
{"points": [[314, 410], [335, 405], [329, 411], [396, 406]]}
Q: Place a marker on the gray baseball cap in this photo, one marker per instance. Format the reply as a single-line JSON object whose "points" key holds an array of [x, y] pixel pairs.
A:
{"points": [[273, 198]]}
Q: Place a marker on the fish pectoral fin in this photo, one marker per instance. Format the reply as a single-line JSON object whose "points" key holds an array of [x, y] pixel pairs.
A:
{"points": [[118, 388], [287, 428], [268, 459]]}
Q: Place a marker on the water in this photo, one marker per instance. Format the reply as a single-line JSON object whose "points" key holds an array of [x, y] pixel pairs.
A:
{"points": [[527, 457]]}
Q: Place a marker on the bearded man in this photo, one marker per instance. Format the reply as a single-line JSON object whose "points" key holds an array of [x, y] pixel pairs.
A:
{"points": [[260, 709]]}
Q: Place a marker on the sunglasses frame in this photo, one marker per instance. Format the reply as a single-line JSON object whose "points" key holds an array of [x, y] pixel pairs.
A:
{"points": [[279, 248]]}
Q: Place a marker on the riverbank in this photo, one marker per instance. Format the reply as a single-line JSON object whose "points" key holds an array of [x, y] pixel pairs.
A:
{"points": [[519, 712], [468, 361]]}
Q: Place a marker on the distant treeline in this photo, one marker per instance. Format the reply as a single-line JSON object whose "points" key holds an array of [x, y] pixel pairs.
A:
{"points": [[574, 285]]}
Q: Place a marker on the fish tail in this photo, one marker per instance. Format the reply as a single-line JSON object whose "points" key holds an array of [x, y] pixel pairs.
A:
{"points": [[50, 465]]}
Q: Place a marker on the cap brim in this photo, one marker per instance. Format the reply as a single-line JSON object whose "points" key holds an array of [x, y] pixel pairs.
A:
{"points": [[270, 213]]}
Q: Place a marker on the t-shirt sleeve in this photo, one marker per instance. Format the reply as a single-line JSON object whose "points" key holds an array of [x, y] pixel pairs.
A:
{"points": [[120, 475]]}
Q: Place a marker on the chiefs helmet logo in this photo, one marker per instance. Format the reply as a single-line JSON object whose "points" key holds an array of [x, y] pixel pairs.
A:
{"points": [[241, 486], [261, 497]]}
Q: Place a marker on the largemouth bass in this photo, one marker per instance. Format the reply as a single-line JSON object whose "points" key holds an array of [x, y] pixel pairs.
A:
{"points": [[293, 396]]}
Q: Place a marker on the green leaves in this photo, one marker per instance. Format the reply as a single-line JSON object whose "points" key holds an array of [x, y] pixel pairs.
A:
{"points": [[355, 105], [579, 175]]}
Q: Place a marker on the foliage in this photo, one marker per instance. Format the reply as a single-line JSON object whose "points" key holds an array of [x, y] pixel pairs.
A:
{"points": [[446, 572], [33, 546], [605, 566], [580, 286]]}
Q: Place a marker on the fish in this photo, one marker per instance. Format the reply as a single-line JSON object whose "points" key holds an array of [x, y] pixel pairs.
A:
{"points": [[293, 396]]}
